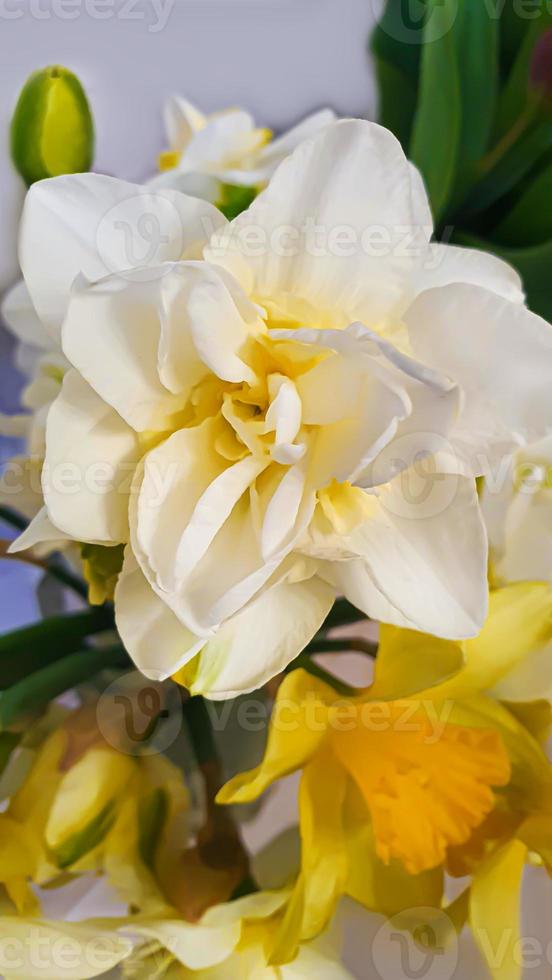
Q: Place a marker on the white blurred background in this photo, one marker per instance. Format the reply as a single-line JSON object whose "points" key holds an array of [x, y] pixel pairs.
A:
{"points": [[279, 58]]}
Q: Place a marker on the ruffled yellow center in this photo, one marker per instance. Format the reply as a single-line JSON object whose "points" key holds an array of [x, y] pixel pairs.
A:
{"points": [[427, 784]]}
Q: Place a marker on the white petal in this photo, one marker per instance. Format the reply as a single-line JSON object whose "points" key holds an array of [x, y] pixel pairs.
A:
{"points": [[222, 141], [424, 557], [40, 531], [283, 417], [22, 319], [386, 409], [501, 356], [263, 639], [91, 454], [111, 335], [205, 319], [283, 509], [264, 161], [175, 476], [351, 180], [192, 183], [94, 225], [155, 639], [211, 511], [278, 149], [182, 120], [528, 538], [169, 506], [218, 328], [447, 264]]}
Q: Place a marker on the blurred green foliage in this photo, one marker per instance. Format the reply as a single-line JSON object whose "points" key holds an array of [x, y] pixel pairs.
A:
{"points": [[52, 131], [459, 89]]}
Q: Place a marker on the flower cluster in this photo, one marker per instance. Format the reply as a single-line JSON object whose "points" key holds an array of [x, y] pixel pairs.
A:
{"points": [[240, 414]]}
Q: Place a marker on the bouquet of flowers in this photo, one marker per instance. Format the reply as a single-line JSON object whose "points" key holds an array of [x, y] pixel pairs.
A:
{"points": [[287, 401]]}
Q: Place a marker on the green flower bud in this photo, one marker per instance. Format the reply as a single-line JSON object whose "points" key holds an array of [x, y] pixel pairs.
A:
{"points": [[52, 131]]}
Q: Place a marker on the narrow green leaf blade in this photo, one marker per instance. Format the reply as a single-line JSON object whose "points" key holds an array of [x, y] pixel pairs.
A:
{"points": [[49, 682], [436, 133], [397, 101], [530, 220], [33, 647]]}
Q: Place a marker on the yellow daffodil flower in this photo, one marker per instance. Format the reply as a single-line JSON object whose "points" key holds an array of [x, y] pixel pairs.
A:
{"points": [[404, 774], [86, 805]]}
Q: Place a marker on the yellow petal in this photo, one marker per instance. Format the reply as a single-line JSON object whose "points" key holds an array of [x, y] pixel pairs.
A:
{"points": [[85, 791], [324, 861], [297, 729], [536, 833], [33, 949], [495, 910], [518, 624], [410, 662], [196, 947]]}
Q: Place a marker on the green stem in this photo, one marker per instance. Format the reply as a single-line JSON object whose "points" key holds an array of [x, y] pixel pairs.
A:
{"points": [[305, 661], [28, 649], [48, 683], [196, 716], [12, 518], [354, 644], [53, 566], [343, 613]]}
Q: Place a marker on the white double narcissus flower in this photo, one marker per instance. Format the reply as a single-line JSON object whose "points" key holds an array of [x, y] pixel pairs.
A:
{"points": [[225, 147], [517, 506], [41, 361], [297, 418]]}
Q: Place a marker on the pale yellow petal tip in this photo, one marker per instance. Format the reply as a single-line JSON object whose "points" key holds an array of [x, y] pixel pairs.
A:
{"points": [[168, 160], [187, 676]]}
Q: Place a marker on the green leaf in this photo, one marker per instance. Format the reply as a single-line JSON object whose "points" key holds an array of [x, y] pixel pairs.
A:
{"points": [[235, 199], [398, 37], [85, 840], [530, 220], [512, 32], [533, 265], [33, 647], [152, 813], [436, 133], [515, 93], [8, 742], [48, 683], [397, 101], [476, 37], [510, 169], [52, 131]]}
